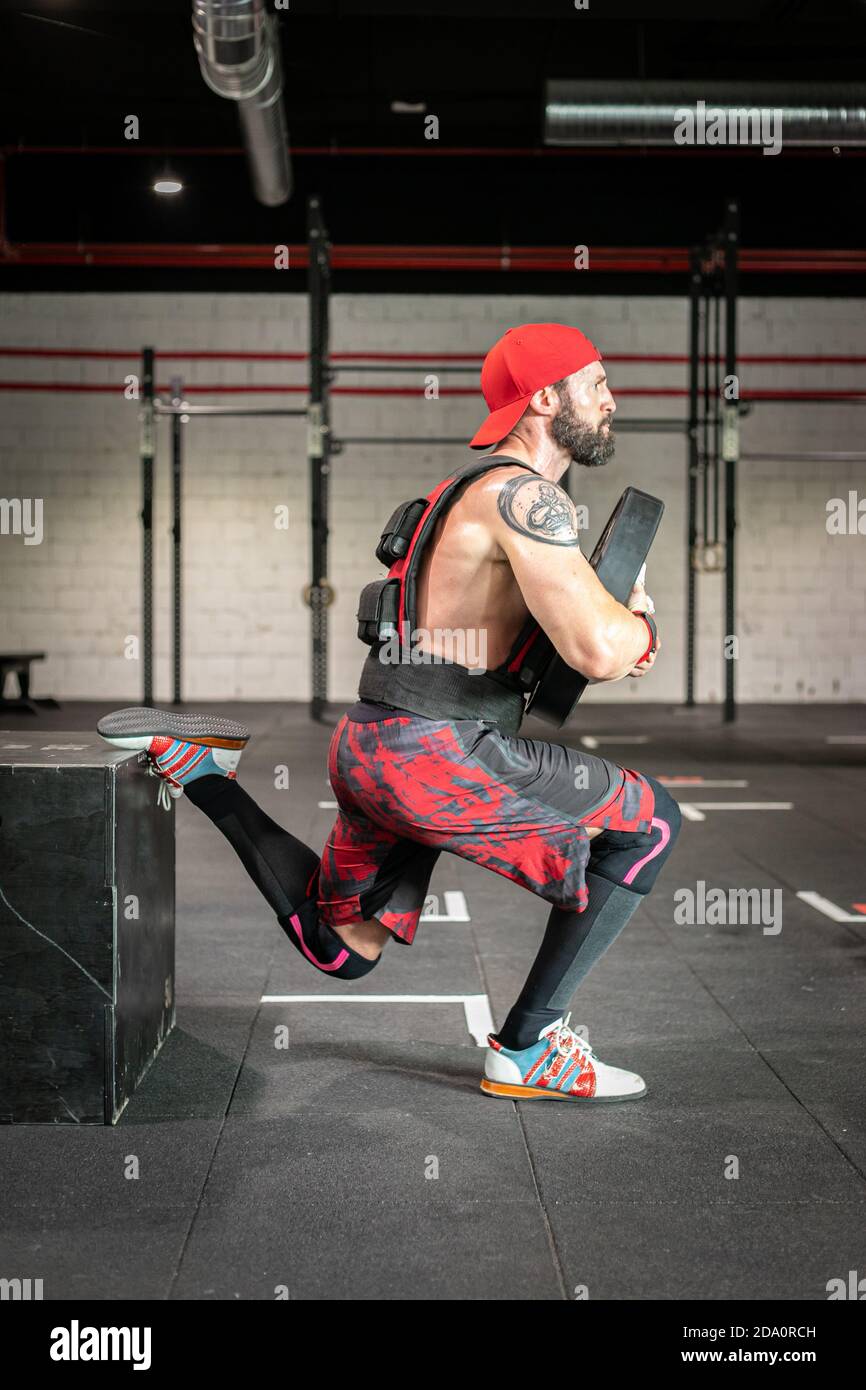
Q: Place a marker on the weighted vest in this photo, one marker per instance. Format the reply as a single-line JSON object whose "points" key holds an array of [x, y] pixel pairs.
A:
{"points": [[387, 617]]}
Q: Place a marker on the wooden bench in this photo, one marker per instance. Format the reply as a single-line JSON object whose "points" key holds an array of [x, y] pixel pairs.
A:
{"points": [[18, 664]]}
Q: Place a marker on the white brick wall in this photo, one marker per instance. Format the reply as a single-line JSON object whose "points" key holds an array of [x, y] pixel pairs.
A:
{"points": [[77, 595]]}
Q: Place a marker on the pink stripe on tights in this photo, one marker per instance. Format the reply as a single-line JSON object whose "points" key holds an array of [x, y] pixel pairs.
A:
{"points": [[334, 965], [666, 835]]}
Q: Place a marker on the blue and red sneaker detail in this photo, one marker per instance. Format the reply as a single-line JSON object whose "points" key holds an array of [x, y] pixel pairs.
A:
{"points": [[559, 1066], [180, 748]]}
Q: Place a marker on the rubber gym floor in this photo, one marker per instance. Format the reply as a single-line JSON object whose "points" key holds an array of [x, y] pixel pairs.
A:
{"points": [[361, 1161]]}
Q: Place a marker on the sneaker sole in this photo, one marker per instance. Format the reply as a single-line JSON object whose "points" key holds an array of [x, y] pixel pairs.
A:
{"points": [[504, 1091], [207, 729]]}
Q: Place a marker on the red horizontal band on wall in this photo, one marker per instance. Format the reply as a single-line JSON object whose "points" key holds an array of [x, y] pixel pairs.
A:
{"points": [[348, 358], [603, 260], [645, 392], [804, 395], [112, 355]]}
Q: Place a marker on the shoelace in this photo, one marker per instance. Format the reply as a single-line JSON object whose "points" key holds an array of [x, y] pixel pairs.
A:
{"points": [[168, 791], [568, 1044]]}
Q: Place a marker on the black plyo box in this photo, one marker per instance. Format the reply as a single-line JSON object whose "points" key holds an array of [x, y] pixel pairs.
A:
{"points": [[86, 927]]}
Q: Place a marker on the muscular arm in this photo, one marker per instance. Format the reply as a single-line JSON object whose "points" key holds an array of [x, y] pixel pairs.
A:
{"points": [[534, 522]]}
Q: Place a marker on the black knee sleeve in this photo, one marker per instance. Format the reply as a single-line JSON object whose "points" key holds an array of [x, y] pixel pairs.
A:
{"points": [[633, 859], [322, 947]]}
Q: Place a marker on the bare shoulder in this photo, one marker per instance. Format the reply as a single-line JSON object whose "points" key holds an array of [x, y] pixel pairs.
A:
{"points": [[532, 507]]}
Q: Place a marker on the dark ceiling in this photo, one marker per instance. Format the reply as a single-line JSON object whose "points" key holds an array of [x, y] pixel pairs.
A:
{"points": [[71, 72]]}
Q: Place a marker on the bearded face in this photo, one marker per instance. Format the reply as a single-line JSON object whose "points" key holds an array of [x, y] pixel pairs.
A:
{"points": [[587, 444]]}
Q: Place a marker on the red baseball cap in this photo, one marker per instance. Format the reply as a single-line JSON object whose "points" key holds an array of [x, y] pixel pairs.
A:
{"points": [[525, 359]]}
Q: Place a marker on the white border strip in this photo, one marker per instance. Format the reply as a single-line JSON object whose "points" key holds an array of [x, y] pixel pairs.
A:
{"points": [[455, 908], [744, 805], [836, 914], [694, 810], [476, 1007], [700, 782], [593, 740]]}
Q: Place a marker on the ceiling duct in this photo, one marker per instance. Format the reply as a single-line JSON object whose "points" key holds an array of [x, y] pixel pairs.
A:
{"points": [[238, 46], [772, 114]]}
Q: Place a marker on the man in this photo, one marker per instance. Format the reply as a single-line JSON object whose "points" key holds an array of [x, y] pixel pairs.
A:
{"points": [[429, 759]]}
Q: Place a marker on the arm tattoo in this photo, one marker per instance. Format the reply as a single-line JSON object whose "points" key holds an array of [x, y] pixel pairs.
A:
{"points": [[539, 509]]}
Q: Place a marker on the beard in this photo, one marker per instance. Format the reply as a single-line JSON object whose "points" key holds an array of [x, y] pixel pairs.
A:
{"points": [[583, 444]]}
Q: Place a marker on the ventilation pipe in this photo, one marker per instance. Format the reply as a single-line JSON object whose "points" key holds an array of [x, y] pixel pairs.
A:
{"points": [[651, 113], [238, 46]]}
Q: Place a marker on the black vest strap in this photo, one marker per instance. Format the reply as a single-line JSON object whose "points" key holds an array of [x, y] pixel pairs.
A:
{"points": [[441, 689]]}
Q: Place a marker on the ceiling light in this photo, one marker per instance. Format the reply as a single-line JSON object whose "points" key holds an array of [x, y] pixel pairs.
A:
{"points": [[167, 186]]}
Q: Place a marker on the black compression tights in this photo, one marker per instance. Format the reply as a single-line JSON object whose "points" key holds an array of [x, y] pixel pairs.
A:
{"points": [[283, 868], [622, 870]]}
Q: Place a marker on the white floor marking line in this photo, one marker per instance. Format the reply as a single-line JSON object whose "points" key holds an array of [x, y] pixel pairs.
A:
{"points": [[327, 805], [476, 1007], [593, 740], [455, 908], [743, 805], [694, 810], [846, 738], [479, 1019], [699, 783], [836, 914]]}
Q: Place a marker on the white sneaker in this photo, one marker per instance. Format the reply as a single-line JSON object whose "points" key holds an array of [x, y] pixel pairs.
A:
{"points": [[560, 1066]]}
